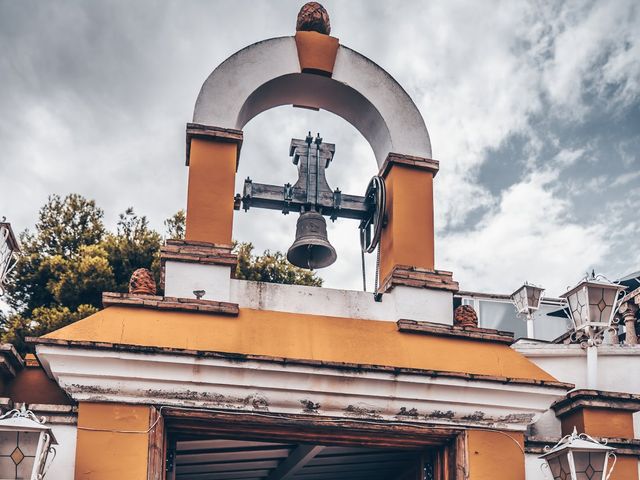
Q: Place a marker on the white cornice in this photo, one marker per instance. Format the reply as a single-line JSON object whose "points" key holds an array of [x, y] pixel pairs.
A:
{"points": [[251, 385]]}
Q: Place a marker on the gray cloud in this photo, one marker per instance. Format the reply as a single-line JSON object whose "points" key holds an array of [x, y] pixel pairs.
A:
{"points": [[533, 111]]}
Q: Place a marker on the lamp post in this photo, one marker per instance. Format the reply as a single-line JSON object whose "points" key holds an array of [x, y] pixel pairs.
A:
{"points": [[578, 457], [592, 305], [527, 300], [9, 249], [25, 444]]}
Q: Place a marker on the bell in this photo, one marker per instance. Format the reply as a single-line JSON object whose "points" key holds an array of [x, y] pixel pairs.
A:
{"points": [[311, 249]]}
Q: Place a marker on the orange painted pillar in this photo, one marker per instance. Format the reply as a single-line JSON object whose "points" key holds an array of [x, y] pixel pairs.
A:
{"points": [[109, 446], [606, 423], [212, 156], [495, 455], [602, 415], [408, 238]]}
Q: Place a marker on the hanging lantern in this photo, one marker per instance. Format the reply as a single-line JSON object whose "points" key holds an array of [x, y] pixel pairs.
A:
{"points": [[8, 251], [592, 304], [579, 457], [25, 444], [527, 299]]}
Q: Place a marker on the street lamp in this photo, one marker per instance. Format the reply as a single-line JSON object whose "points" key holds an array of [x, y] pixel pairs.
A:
{"points": [[579, 457], [25, 444], [527, 300], [8, 251], [592, 305]]}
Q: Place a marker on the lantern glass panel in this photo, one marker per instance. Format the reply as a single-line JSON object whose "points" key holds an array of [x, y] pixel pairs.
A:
{"points": [[519, 298], [579, 307], [8, 442], [565, 470], [601, 301], [589, 465], [17, 454], [554, 466], [533, 297]]}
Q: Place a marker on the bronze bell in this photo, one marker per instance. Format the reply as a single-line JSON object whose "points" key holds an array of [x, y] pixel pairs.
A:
{"points": [[311, 248]]}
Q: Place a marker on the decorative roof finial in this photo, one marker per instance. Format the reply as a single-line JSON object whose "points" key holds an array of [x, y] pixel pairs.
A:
{"points": [[142, 282], [313, 17]]}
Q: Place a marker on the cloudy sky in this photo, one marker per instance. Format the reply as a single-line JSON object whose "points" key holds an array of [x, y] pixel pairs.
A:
{"points": [[533, 110]]}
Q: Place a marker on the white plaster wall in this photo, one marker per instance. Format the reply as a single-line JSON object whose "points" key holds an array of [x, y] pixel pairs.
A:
{"points": [[402, 302], [63, 465], [532, 466], [182, 278], [568, 363]]}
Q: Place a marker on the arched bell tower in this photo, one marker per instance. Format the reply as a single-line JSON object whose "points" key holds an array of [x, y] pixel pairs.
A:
{"points": [[311, 69]]}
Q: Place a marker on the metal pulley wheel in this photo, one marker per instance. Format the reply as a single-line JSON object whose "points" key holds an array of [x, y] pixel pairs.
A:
{"points": [[371, 227]]}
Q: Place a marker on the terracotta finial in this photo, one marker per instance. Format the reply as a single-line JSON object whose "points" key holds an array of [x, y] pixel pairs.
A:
{"points": [[142, 282], [465, 316], [313, 17]]}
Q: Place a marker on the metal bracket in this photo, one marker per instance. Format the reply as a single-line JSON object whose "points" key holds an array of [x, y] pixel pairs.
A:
{"points": [[247, 194], [337, 204], [288, 196]]}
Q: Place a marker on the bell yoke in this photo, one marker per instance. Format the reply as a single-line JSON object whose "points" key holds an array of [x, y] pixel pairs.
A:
{"points": [[313, 198]]}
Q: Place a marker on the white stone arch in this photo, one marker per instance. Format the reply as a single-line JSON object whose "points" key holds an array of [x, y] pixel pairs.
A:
{"points": [[267, 74]]}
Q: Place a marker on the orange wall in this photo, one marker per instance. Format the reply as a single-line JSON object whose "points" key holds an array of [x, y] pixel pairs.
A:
{"points": [[212, 172], [600, 422], [107, 455], [290, 335], [494, 456], [408, 238], [626, 468], [316, 51]]}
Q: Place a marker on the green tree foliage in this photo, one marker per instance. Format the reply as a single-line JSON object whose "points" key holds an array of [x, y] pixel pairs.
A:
{"points": [[70, 259], [176, 225], [271, 267], [134, 245]]}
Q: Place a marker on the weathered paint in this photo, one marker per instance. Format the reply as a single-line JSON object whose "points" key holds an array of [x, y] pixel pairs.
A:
{"points": [[312, 337], [495, 456], [316, 52], [285, 386], [408, 238], [212, 171], [112, 452]]}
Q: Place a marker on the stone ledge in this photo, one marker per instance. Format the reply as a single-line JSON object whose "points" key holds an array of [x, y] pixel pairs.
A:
{"points": [[473, 333], [351, 367], [197, 252], [596, 399], [111, 299], [623, 446], [227, 135], [10, 361], [407, 276], [410, 161]]}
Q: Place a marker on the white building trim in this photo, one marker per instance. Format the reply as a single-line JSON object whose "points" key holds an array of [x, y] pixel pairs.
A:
{"points": [[237, 384]]}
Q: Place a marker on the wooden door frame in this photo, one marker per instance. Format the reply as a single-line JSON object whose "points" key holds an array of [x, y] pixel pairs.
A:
{"points": [[362, 432]]}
